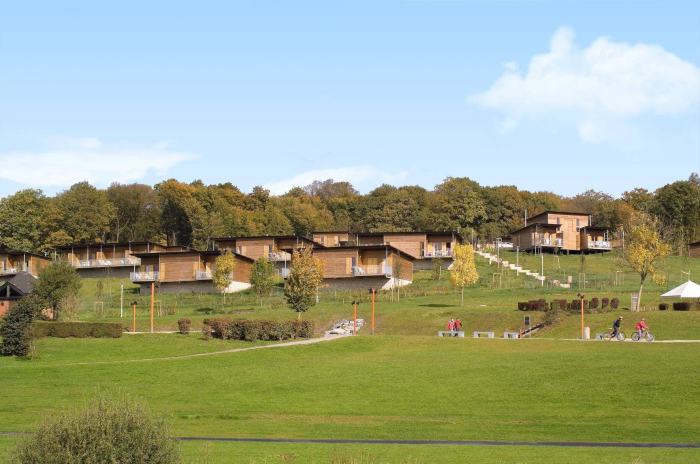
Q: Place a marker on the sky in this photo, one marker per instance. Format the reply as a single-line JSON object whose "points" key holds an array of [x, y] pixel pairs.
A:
{"points": [[558, 96]]}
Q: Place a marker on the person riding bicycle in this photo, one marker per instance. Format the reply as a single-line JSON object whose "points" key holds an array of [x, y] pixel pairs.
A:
{"points": [[641, 327], [616, 326]]}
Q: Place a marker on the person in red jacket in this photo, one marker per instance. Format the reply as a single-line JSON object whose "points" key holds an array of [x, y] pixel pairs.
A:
{"points": [[458, 325], [451, 325], [641, 327]]}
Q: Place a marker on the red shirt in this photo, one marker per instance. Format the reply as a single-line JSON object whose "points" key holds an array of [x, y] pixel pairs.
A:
{"points": [[641, 325], [458, 324]]}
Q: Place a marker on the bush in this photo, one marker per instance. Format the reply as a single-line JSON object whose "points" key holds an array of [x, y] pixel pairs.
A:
{"points": [[594, 303], [105, 430], [605, 302], [576, 305], [254, 330], [15, 327], [663, 306], [42, 329], [681, 306], [184, 325], [206, 331], [522, 306], [614, 303]]}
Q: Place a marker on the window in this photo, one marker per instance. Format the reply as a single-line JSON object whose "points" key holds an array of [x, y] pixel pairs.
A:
{"points": [[577, 222], [558, 220]]}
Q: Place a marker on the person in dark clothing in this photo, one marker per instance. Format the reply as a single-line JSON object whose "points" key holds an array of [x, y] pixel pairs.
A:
{"points": [[616, 326]]}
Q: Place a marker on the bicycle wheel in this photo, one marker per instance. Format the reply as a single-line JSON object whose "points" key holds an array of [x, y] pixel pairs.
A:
{"points": [[621, 336], [635, 336], [650, 337], [607, 336]]}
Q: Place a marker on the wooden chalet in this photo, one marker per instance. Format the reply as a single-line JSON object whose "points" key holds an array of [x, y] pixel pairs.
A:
{"points": [[15, 262], [112, 259], [557, 231]]}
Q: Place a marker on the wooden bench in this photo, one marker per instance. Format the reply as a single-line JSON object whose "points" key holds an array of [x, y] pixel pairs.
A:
{"points": [[511, 334], [488, 334], [447, 333]]}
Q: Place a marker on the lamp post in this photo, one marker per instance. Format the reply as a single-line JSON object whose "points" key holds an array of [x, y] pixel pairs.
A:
{"points": [[133, 328], [582, 296], [121, 301], [542, 267], [372, 291], [153, 291], [354, 318], [517, 257]]}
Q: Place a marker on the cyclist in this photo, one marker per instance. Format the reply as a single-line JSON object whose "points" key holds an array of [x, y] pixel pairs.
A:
{"points": [[641, 328], [616, 326]]}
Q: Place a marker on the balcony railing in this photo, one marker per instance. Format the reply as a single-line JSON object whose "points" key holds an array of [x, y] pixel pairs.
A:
{"points": [[599, 245], [372, 270], [549, 241], [106, 262], [202, 275], [144, 276], [277, 256], [13, 270], [437, 253]]}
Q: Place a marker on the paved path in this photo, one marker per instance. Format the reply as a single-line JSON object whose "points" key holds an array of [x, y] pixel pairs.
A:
{"points": [[579, 444]]}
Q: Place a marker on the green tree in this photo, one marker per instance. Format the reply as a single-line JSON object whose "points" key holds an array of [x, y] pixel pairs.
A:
{"points": [[21, 220], [107, 429], [456, 203], [85, 213], [262, 277], [222, 274], [55, 281], [136, 213], [303, 281], [463, 272], [15, 327], [437, 268]]}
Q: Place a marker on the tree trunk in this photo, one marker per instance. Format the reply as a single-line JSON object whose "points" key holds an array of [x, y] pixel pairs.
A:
{"points": [[639, 298], [462, 295], [298, 315]]}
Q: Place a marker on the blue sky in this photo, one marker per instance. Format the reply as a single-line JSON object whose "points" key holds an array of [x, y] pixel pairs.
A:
{"points": [[406, 92]]}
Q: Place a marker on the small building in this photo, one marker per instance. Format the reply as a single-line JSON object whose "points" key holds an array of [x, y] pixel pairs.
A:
{"points": [[19, 286], [333, 238], [113, 259], [15, 262], [276, 248], [559, 231], [360, 267], [187, 271], [422, 246], [694, 250]]}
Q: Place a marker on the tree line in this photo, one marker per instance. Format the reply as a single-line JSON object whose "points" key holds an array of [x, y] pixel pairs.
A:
{"points": [[177, 213]]}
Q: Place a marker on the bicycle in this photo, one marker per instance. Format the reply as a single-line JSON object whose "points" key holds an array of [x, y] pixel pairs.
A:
{"points": [[648, 336], [609, 335]]}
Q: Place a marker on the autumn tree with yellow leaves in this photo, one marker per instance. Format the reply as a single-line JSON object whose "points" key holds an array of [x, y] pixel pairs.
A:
{"points": [[644, 250], [222, 274], [463, 272], [303, 281]]}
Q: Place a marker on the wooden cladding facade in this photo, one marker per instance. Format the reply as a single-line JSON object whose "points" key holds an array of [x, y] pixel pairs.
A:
{"points": [[331, 239], [417, 245], [183, 267], [111, 251], [338, 262], [560, 230], [256, 247]]}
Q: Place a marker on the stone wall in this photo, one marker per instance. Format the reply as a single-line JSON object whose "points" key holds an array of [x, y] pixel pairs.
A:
{"points": [[121, 272], [427, 264], [195, 286]]}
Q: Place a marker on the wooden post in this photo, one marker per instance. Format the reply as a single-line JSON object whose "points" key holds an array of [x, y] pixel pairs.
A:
{"points": [[372, 292], [153, 291], [582, 317], [354, 318]]}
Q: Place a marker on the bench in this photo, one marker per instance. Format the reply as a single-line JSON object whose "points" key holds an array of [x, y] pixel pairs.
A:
{"points": [[599, 336], [488, 334], [511, 334], [447, 333]]}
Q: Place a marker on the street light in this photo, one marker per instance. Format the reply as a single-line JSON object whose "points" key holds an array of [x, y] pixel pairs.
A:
{"points": [[121, 301], [354, 317], [582, 296], [372, 291]]}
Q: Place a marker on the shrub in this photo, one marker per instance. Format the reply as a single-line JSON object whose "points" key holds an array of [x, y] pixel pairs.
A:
{"points": [[663, 306], [15, 327], [184, 325], [614, 303], [42, 329], [254, 330], [105, 430], [303, 329], [522, 306], [605, 302], [594, 303], [206, 331], [681, 306], [562, 304], [576, 305]]}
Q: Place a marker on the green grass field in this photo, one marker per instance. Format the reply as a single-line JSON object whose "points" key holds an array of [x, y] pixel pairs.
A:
{"points": [[393, 387], [403, 383]]}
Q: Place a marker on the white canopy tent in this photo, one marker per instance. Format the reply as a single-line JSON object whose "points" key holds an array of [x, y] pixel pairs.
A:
{"points": [[686, 290]]}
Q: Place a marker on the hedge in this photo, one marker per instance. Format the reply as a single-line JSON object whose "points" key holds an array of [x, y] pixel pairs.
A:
{"points": [[594, 303], [663, 306], [605, 302], [254, 330], [614, 303], [681, 306], [42, 329], [533, 305], [576, 304]]}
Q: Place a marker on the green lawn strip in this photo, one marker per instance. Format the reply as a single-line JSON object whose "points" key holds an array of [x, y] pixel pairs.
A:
{"points": [[399, 388]]}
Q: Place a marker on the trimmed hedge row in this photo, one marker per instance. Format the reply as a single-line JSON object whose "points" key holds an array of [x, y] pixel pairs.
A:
{"points": [[684, 306], [254, 330], [541, 304], [41, 329]]}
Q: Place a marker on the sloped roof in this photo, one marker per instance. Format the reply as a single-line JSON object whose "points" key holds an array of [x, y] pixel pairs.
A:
{"points": [[687, 290], [22, 283]]}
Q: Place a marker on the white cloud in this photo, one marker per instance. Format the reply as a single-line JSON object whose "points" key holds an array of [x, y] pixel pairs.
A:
{"points": [[356, 175], [75, 160], [605, 84]]}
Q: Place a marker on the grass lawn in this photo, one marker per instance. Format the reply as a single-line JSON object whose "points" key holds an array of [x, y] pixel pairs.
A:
{"points": [[393, 387]]}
